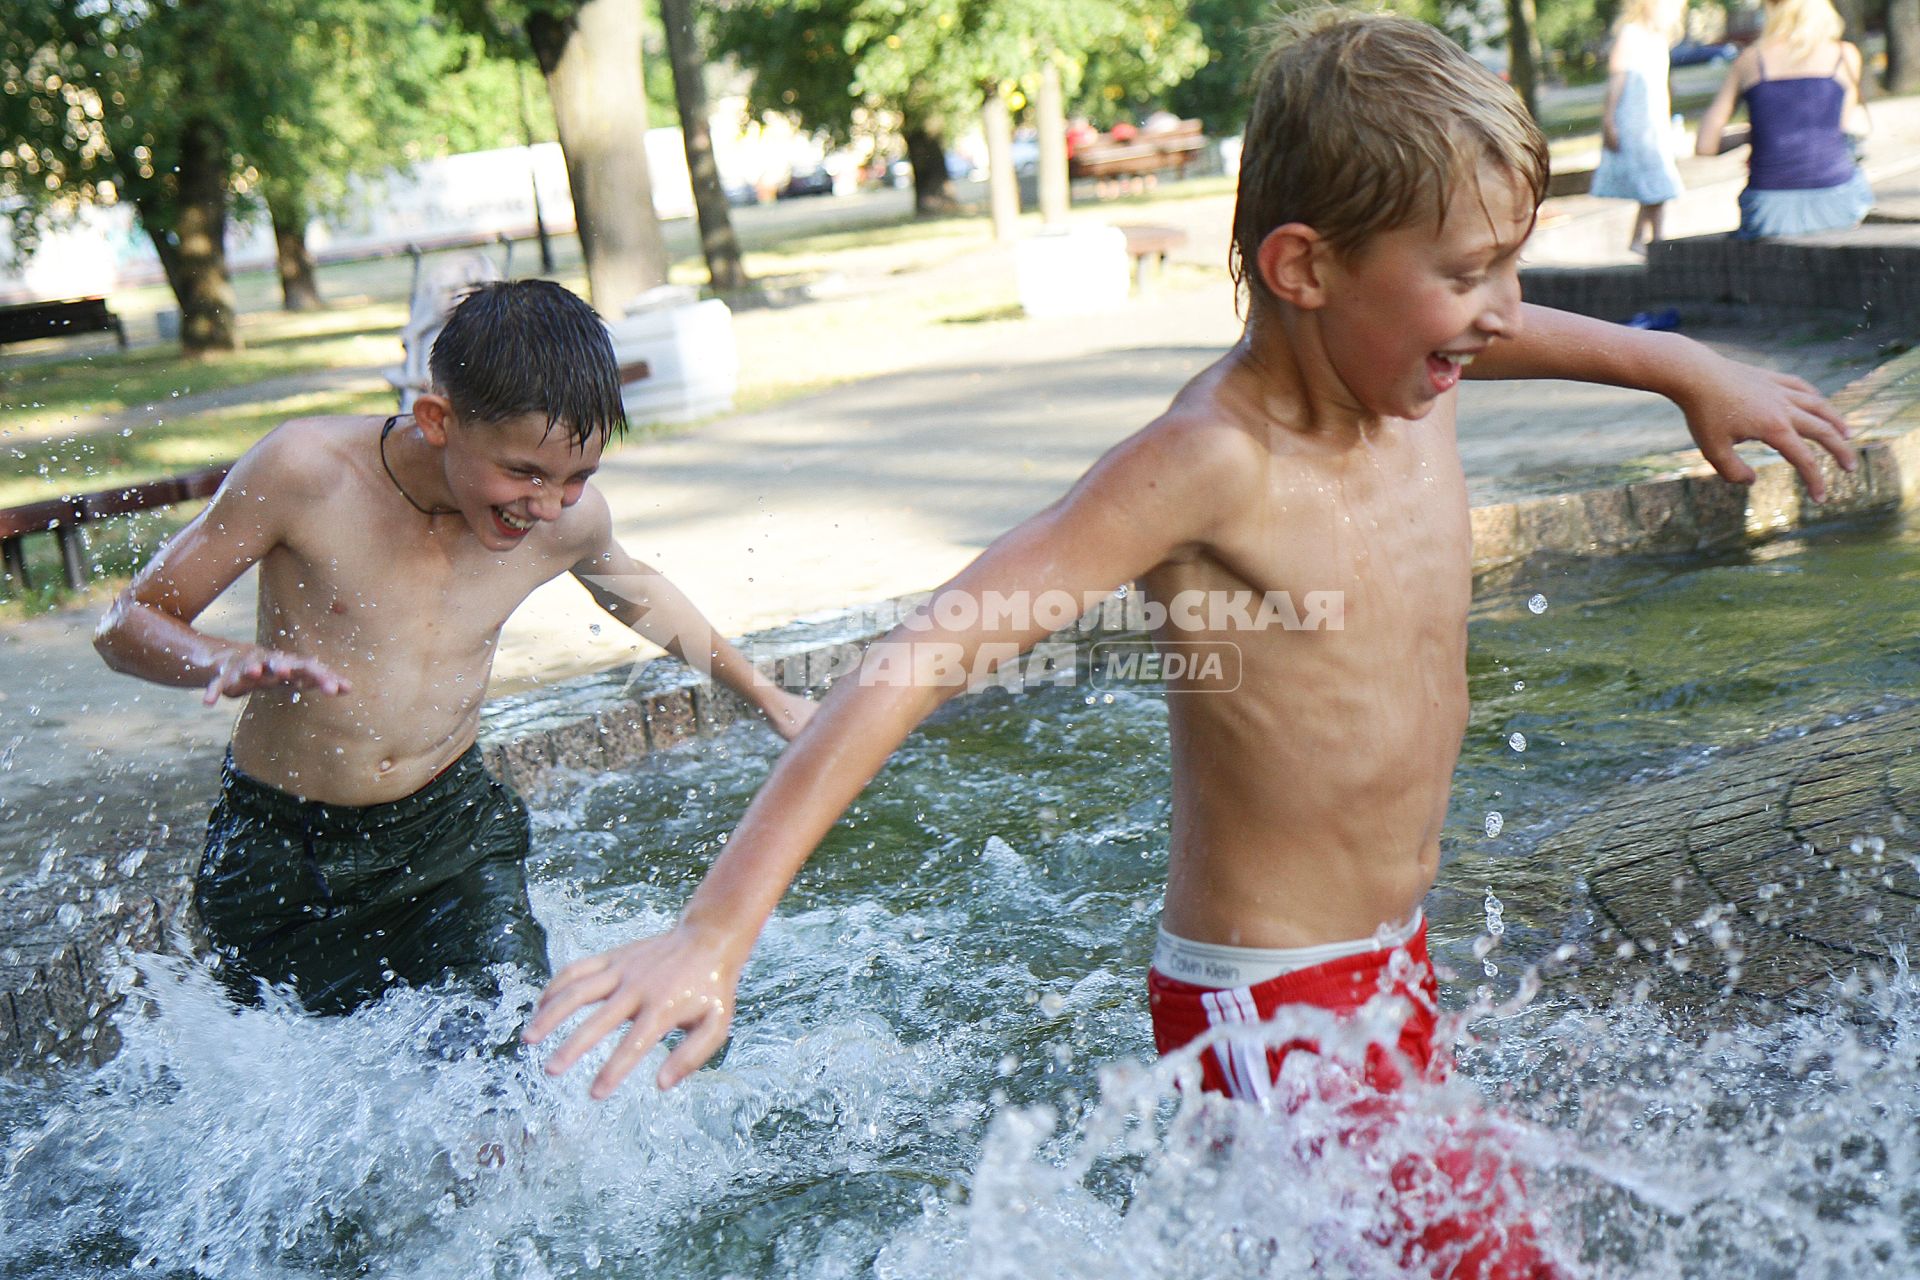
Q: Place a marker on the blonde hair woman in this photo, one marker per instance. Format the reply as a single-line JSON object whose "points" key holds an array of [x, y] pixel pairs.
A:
{"points": [[1801, 85], [1636, 162]]}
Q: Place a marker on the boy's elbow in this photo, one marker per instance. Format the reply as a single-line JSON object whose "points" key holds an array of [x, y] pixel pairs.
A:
{"points": [[109, 637]]}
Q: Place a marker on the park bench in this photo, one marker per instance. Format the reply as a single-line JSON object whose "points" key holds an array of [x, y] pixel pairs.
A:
{"points": [[1144, 153], [66, 518], [26, 321], [1150, 245]]}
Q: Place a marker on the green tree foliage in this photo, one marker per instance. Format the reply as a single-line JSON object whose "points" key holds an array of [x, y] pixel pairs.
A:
{"points": [[1236, 34], [928, 63], [1219, 92], [182, 107]]}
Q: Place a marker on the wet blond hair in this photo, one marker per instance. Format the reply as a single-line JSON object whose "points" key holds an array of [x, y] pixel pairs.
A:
{"points": [[1362, 121], [1801, 24]]}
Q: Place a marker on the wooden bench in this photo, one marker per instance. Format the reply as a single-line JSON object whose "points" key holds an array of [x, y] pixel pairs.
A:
{"points": [[66, 518], [1144, 153], [26, 321], [1151, 245]]}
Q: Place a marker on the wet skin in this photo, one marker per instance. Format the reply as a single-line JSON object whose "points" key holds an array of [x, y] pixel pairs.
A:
{"points": [[383, 589], [1317, 455]]}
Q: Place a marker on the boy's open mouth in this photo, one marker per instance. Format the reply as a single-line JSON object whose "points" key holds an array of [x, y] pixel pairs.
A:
{"points": [[1444, 368], [511, 525]]}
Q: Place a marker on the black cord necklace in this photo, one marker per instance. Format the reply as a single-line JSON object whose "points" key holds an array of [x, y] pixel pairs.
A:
{"points": [[384, 433]]}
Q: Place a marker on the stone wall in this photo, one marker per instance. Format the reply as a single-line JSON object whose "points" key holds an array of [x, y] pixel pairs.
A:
{"points": [[1871, 274]]}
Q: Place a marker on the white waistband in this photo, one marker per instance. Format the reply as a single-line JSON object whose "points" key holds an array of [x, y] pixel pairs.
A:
{"points": [[1212, 964]]}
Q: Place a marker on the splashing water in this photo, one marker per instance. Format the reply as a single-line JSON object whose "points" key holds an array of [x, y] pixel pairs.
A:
{"points": [[941, 1065]]}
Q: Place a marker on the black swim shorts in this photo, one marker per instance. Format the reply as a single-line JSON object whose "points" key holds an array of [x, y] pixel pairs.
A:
{"points": [[342, 902]]}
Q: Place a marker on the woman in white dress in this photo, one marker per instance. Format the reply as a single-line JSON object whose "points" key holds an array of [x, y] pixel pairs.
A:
{"points": [[1636, 162]]}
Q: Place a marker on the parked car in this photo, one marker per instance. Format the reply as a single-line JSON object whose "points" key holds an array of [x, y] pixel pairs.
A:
{"points": [[808, 182], [1691, 53], [741, 194]]}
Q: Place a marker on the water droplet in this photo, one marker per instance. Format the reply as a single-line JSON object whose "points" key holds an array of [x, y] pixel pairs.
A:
{"points": [[1537, 603], [1519, 686], [1494, 823], [1518, 741]]}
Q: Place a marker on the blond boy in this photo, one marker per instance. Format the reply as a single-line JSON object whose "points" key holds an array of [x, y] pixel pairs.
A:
{"points": [[1388, 186]]}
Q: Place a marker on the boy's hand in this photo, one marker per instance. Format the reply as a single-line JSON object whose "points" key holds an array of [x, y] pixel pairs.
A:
{"points": [[679, 979], [246, 669], [1727, 402], [789, 713]]}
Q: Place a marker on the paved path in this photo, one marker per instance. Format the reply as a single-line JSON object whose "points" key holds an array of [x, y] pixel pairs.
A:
{"points": [[873, 489]]}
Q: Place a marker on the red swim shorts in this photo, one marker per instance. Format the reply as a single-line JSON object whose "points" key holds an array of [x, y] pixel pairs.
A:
{"points": [[1458, 1216]]}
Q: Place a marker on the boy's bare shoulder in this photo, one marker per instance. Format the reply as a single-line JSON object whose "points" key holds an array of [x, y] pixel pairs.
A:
{"points": [[1207, 438], [308, 459], [586, 527]]}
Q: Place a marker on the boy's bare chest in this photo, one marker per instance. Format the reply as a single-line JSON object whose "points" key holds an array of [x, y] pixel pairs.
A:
{"points": [[374, 595], [1392, 541]]}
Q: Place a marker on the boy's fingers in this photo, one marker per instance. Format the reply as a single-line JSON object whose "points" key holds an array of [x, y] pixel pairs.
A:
{"points": [[1820, 407], [561, 1002], [614, 1011], [1796, 451], [1828, 437], [702, 1042], [1728, 464], [571, 974], [634, 1046], [565, 1004]]}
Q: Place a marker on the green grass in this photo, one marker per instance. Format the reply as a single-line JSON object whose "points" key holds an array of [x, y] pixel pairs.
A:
{"points": [[44, 398], [36, 469]]}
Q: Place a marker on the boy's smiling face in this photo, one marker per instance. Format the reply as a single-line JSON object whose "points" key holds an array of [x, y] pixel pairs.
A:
{"points": [[507, 477], [1401, 315]]}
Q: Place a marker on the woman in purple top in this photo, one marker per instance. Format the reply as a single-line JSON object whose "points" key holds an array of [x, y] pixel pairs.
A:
{"points": [[1801, 84]]}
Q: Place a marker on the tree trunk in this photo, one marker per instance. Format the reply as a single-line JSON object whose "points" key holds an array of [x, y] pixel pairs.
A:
{"points": [[533, 176], [1854, 14], [189, 232], [299, 287], [717, 240], [592, 64], [927, 153], [1003, 188], [1523, 54], [1053, 145], [1903, 46]]}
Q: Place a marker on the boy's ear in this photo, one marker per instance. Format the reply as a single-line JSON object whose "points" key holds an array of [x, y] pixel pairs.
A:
{"points": [[1290, 261], [433, 414]]}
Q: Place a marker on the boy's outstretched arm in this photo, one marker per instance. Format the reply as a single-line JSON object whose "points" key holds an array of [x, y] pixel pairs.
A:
{"points": [[1155, 493], [647, 601], [1725, 401], [148, 631]]}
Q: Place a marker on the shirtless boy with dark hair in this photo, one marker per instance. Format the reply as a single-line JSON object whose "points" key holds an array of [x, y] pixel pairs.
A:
{"points": [[1387, 187], [358, 840]]}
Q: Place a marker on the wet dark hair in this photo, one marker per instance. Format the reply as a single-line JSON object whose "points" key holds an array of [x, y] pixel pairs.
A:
{"points": [[513, 347]]}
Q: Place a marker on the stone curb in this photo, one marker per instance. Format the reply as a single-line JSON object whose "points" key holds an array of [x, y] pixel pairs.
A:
{"points": [[1691, 509], [60, 944]]}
